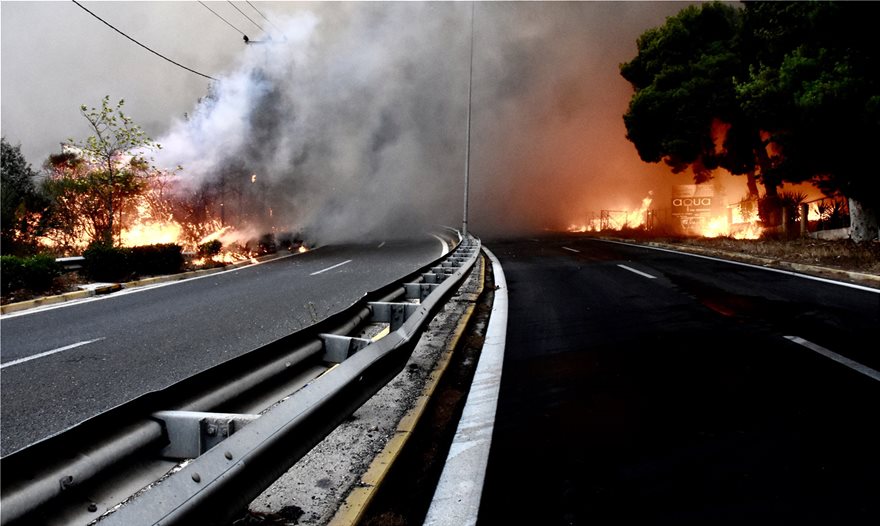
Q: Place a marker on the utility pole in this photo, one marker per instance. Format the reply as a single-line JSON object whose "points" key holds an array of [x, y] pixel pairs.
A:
{"points": [[467, 152]]}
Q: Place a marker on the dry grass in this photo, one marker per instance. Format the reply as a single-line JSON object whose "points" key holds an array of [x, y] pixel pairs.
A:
{"points": [[842, 254], [837, 254]]}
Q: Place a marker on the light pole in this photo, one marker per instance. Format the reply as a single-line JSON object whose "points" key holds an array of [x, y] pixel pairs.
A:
{"points": [[467, 152]]}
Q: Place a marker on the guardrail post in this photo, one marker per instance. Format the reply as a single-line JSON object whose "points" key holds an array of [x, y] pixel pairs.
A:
{"points": [[394, 314], [191, 433], [337, 349]]}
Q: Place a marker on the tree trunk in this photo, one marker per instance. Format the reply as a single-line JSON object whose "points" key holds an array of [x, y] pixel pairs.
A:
{"points": [[864, 223], [771, 213], [108, 235], [752, 183]]}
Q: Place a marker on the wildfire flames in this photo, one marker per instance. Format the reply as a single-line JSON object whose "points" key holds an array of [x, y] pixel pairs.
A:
{"points": [[159, 216], [740, 222]]}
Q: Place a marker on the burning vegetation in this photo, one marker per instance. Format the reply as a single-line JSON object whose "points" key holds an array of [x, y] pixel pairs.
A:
{"points": [[150, 208], [700, 211], [106, 192]]}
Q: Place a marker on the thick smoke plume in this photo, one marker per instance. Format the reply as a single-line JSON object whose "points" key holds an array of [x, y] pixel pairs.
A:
{"points": [[351, 124], [346, 127]]}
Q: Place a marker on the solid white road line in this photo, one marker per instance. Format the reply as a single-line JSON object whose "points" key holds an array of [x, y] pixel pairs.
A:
{"points": [[456, 500], [571, 250], [639, 272], [48, 353], [330, 268], [852, 364], [740, 263], [444, 243]]}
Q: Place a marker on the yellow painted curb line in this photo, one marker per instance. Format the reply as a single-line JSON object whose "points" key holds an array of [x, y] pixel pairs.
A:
{"points": [[355, 505], [47, 300]]}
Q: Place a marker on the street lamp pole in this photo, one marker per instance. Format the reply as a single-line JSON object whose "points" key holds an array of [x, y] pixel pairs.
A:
{"points": [[467, 152]]}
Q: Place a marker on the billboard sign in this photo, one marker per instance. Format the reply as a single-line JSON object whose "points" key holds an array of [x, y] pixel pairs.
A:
{"points": [[692, 204]]}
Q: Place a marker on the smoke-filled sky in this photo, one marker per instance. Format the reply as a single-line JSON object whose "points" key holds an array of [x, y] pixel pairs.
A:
{"points": [[353, 116]]}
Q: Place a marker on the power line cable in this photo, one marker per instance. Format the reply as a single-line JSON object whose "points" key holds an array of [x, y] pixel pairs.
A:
{"points": [[262, 15], [244, 15], [223, 19], [108, 24]]}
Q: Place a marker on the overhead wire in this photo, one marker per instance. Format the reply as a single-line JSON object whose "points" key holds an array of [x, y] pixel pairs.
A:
{"points": [[244, 15], [108, 24], [223, 19], [262, 15]]}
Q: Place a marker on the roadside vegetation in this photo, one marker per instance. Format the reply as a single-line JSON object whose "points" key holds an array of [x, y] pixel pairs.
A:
{"points": [[81, 203], [776, 92]]}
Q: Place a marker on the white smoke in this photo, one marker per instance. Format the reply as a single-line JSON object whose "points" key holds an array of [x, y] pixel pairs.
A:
{"points": [[352, 122]]}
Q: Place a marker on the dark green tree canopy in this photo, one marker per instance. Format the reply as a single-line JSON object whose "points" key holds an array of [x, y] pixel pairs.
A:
{"points": [[813, 86], [683, 79], [794, 84], [20, 200]]}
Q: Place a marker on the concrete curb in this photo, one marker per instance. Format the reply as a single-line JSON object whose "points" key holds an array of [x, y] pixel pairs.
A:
{"points": [[115, 287]]}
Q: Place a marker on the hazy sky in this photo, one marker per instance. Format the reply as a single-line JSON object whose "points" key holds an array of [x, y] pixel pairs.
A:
{"points": [[364, 99]]}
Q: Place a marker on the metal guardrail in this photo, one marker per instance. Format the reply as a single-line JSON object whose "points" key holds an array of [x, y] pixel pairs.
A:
{"points": [[218, 421]]}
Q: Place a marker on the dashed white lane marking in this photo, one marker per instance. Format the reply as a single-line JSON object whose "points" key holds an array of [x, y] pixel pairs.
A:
{"points": [[346, 262], [852, 364], [639, 272], [571, 250], [382, 244], [49, 353]]}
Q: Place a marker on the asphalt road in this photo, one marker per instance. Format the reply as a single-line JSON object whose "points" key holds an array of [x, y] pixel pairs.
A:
{"points": [[63, 365], [647, 387]]}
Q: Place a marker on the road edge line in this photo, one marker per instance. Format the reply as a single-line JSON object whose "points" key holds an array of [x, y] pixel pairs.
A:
{"points": [[456, 499], [764, 266], [356, 503]]}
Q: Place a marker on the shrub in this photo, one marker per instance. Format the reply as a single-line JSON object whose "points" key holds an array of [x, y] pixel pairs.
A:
{"points": [[106, 263], [36, 273], [157, 259]]}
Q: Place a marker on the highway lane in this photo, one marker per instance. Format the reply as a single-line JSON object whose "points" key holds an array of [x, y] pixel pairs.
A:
{"points": [[63, 365], [642, 386]]}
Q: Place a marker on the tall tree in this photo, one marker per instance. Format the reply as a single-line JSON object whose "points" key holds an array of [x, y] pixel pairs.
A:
{"points": [[22, 205], [813, 87], [115, 149], [684, 110], [79, 186]]}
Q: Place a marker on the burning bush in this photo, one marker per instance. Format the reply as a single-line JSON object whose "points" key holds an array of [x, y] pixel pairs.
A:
{"points": [[210, 249]]}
